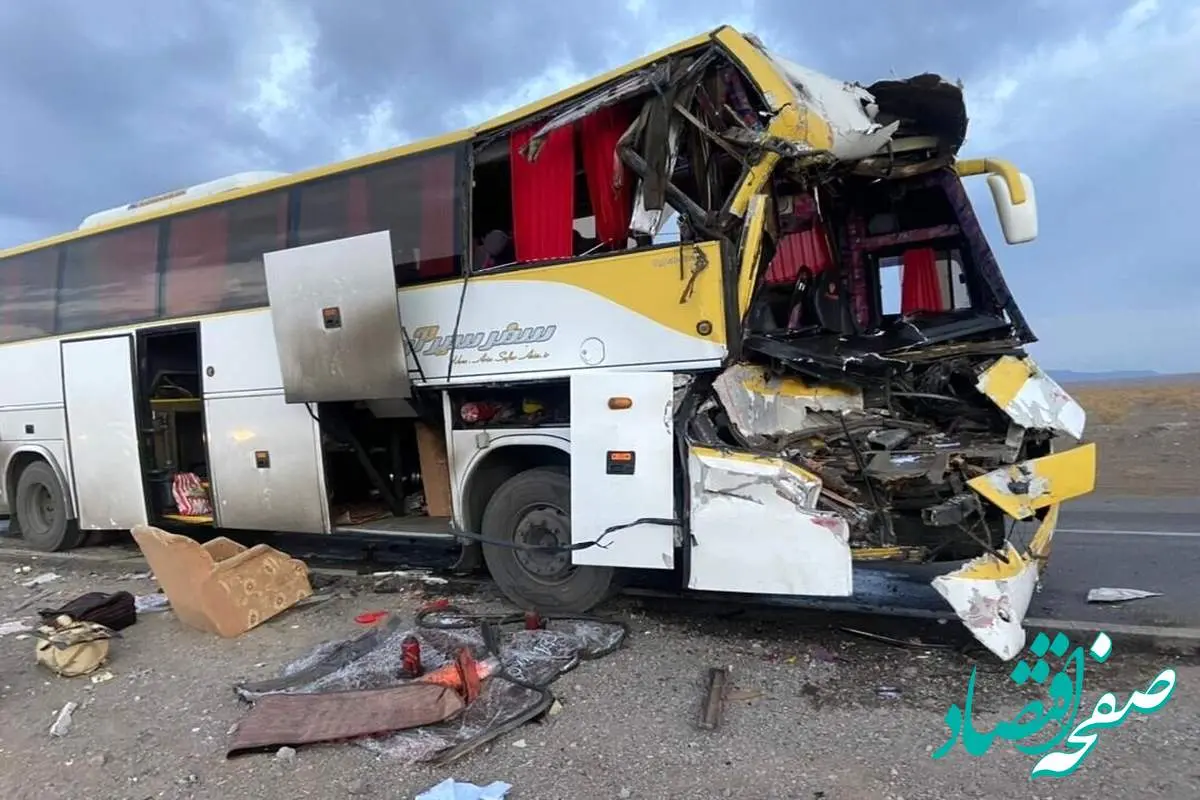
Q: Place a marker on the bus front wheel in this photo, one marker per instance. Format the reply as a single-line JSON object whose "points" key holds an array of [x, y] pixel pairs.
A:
{"points": [[533, 508], [41, 510]]}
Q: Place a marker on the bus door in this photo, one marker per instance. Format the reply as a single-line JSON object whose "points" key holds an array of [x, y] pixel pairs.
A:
{"points": [[623, 468], [102, 432]]}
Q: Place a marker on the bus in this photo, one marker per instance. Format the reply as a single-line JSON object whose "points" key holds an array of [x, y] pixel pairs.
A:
{"points": [[713, 317]]}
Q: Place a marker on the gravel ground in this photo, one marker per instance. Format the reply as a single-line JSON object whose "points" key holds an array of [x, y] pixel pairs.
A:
{"points": [[836, 716]]}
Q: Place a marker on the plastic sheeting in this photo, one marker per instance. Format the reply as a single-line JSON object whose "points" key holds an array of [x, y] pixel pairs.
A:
{"points": [[373, 661]]}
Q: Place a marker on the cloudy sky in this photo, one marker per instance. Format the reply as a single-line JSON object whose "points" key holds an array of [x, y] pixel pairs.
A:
{"points": [[1098, 101]]}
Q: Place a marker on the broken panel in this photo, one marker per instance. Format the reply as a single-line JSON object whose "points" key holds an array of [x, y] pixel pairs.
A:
{"points": [[763, 406], [1022, 489], [1030, 397], [337, 320], [755, 528]]}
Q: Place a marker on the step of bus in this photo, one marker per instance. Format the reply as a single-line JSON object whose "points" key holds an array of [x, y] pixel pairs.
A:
{"points": [[408, 527]]}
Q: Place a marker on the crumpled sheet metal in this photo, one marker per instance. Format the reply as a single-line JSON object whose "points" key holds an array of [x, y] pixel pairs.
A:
{"points": [[992, 599], [755, 528], [848, 109], [1021, 490], [371, 661], [762, 406], [1030, 397]]}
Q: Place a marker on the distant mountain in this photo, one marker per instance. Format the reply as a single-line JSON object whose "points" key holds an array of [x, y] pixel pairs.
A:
{"points": [[1070, 376]]}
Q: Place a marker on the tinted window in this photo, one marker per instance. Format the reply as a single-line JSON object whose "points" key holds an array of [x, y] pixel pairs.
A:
{"points": [[417, 198], [27, 286], [214, 255], [110, 279]]}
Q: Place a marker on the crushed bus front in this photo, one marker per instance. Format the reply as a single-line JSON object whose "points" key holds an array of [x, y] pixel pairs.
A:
{"points": [[846, 433]]}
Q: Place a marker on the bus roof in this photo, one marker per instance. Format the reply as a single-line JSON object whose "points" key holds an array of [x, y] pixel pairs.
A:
{"points": [[466, 134]]}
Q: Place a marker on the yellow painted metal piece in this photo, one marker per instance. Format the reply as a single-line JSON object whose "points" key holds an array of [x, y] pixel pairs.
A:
{"points": [[1004, 379], [646, 282], [1050, 479], [994, 166], [789, 121], [1039, 545], [794, 387], [753, 458], [891, 553], [752, 236]]}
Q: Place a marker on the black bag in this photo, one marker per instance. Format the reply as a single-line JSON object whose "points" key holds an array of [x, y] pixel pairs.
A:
{"points": [[115, 611]]}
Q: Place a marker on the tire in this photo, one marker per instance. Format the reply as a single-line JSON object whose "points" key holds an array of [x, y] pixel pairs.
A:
{"points": [[529, 508], [41, 510]]}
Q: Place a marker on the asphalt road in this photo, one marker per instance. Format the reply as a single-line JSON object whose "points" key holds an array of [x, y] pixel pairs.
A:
{"points": [[1131, 543]]}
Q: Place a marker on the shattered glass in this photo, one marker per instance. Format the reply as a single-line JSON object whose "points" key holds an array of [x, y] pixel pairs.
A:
{"points": [[535, 658]]}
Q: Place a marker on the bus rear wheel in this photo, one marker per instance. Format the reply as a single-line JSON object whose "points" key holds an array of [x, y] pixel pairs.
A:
{"points": [[41, 510], [534, 508]]}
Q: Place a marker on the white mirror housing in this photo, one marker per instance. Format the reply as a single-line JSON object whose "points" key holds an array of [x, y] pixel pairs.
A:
{"points": [[1018, 221]]}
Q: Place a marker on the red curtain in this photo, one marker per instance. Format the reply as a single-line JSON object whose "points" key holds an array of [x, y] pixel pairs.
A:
{"points": [[437, 217], [543, 195], [919, 287], [799, 249], [609, 182]]}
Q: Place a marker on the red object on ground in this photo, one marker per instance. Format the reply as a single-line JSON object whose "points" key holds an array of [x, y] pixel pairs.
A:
{"points": [[410, 654], [370, 617], [533, 622]]}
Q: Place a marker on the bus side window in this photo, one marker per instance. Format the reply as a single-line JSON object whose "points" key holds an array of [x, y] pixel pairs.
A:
{"points": [[416, 198], [214, 255], [28, 283], [110, 279]]}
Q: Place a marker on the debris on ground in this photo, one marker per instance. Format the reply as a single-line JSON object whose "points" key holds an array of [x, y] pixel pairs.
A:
{"points": [[136, 576], [483, 680], [62, 722], [285, 754], [151, 603], [101, 677], [370, 617], [14, 626], [221, 586], [70, 648], [45, 577], [398, 580], [451, 789], [115, 611], [714, 698], [887, 693], [910, 642], [1110, 595]]}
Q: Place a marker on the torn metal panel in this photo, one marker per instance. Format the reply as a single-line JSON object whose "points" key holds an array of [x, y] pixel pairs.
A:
{"points": [[991, 597], [1030, 397], [761, 406], [631, 86], [755, 528], [848, 109], [1021, 489]]}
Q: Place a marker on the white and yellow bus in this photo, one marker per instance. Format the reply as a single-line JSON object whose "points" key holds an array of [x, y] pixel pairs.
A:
{"points": [[486, 340]]}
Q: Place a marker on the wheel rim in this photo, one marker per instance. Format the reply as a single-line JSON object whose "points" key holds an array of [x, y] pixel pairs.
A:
{"points": [[544, 525], [39, 510]]}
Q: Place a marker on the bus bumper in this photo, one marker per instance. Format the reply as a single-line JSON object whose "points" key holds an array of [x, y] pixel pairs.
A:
{"points": [[991, 594]]}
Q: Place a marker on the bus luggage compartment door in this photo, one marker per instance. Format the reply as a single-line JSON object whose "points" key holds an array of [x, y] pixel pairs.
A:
{"points": [[623, 469], [337, 320], [102, 430]]}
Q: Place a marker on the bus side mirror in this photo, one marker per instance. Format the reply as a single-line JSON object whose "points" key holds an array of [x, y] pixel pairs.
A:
{"points": [[1019, 222]]}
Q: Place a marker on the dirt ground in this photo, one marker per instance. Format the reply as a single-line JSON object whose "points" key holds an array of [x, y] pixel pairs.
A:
{"points": [[1147, 434], [822, 714]]}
